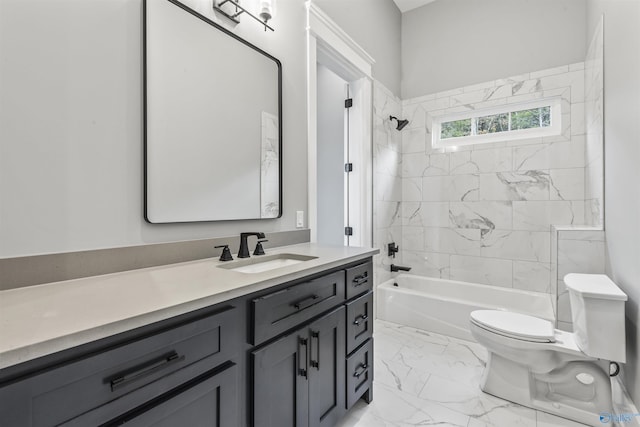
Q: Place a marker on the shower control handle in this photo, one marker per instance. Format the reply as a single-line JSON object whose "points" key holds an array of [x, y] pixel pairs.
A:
{"points": [[392, 249]]}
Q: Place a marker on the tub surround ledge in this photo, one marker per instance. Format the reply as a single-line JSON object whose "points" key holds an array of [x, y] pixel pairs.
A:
{"points": [[39, 320]]}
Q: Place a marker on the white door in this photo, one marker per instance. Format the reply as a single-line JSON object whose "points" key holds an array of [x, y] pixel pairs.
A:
{"points": [[335, 203], [333, 54]]}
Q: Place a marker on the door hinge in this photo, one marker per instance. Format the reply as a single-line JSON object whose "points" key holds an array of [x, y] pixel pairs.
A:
{"points": [[348, 103], [348, 231], [348, 167]]}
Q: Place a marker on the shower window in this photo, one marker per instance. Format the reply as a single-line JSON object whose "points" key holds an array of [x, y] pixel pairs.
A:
{"points": [[506, 123], [456, 128]]}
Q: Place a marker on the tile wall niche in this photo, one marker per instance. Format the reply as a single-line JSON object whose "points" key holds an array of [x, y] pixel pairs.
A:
{"points": [[387, 180], [483, 213], [594, 123]]}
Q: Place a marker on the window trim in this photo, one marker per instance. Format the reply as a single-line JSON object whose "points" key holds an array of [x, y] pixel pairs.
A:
{"points": [[554, 129]]}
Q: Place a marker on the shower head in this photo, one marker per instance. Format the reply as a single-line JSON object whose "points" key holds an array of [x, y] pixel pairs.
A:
{"points": [[401, 123]]}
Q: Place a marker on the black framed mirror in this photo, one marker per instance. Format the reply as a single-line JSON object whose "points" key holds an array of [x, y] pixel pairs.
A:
{"points": [[213, 120]]}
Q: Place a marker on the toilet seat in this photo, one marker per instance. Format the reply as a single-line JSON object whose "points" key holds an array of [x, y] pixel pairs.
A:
{"points": [[515, 325]]}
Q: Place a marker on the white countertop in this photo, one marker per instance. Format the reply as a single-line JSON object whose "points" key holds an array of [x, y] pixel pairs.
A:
{"points": [[44, 319]]}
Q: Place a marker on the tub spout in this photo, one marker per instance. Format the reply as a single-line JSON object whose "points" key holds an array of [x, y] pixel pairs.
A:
{"points": [[395, 268]]}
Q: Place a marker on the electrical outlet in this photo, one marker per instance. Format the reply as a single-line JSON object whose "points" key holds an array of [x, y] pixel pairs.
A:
{"points": [[299, 219]]}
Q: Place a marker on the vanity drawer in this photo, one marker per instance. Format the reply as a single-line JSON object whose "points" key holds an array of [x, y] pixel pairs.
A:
{"points": [[209, 400], [359, 372], [141, 369], [359, 279], [359, 321], [282, 310]]}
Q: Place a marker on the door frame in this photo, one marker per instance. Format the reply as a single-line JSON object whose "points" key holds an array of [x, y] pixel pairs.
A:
{"points": [[329, 45]]}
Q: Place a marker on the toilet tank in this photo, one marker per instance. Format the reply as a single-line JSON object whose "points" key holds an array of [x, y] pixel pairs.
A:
{"points": [[597, 311]]}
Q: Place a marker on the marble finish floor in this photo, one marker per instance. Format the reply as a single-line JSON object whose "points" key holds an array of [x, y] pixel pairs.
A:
{"points": [[423, 379]]}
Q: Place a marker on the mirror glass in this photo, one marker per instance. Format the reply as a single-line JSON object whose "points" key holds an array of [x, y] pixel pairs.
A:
{"points": [[212, 121]]}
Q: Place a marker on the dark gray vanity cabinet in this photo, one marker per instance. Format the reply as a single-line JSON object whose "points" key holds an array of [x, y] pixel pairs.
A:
{"points": [[166, 368], [359, 356], [314, 374], [299, 379], [297, 354]]}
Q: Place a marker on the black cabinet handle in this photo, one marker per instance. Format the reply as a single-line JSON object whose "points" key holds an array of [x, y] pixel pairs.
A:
{"points": [[359, 280], [152, 367], [305, 302], [364, 367], [315, 363], [302, 342], [360, 319]]}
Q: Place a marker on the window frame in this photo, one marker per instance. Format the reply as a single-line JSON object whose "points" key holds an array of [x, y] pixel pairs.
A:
{"points": [[554, 129]]}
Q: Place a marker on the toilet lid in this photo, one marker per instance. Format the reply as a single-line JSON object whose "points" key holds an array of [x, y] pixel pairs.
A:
{"points": [[515, 325]]}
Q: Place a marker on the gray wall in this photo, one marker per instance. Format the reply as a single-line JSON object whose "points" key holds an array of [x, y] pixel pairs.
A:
{"points": [[453, 43], [375, 26], [622, 160], [71, 125]]}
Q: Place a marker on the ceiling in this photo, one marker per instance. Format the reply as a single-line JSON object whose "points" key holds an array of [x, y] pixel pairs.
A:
{"points": [[405, 5]]}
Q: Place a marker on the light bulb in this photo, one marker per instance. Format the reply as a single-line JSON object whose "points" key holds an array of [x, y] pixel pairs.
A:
{"points": [[266, 10]]}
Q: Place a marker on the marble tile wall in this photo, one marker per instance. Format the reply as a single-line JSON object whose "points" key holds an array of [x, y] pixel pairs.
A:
{"points": [[387, 179], [578, 249], [594, 122], [483, 213]]}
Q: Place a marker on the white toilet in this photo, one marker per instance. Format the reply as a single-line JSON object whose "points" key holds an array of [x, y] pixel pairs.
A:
{"points": [[566, 374]]}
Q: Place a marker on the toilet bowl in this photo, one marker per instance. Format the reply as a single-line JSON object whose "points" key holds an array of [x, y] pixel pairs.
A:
{"points": [[567, 374]]}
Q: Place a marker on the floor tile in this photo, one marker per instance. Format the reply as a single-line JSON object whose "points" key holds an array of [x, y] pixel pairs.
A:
{"points": [[422, 378]]}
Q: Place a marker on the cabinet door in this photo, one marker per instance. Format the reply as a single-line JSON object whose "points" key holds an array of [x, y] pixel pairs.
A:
{"points": [[327, 369], [280, 385]]}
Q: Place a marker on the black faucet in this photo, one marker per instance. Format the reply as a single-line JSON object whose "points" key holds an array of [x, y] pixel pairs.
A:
{"points": [[395, 268], [243, 252]]}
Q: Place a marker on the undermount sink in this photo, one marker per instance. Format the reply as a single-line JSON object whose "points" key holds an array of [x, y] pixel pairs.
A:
{"points": [[260, 264]]}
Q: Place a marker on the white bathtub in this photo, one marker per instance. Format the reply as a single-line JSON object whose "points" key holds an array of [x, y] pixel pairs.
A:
{"points": [[443, 306]]}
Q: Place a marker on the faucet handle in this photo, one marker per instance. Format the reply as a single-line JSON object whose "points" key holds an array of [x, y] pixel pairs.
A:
{"points": [[259, 249], [392, 249], [226, 253]]}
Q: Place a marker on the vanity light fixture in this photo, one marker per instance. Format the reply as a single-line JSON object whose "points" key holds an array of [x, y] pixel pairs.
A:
{"points": [[266, 11]]}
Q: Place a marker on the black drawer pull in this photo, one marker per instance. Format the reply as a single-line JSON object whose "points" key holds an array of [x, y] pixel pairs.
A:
{"points": [[315, 363], [306, 302], [146, 370], [303, 371], [360, 319], [359, 280], [364, 367]]}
